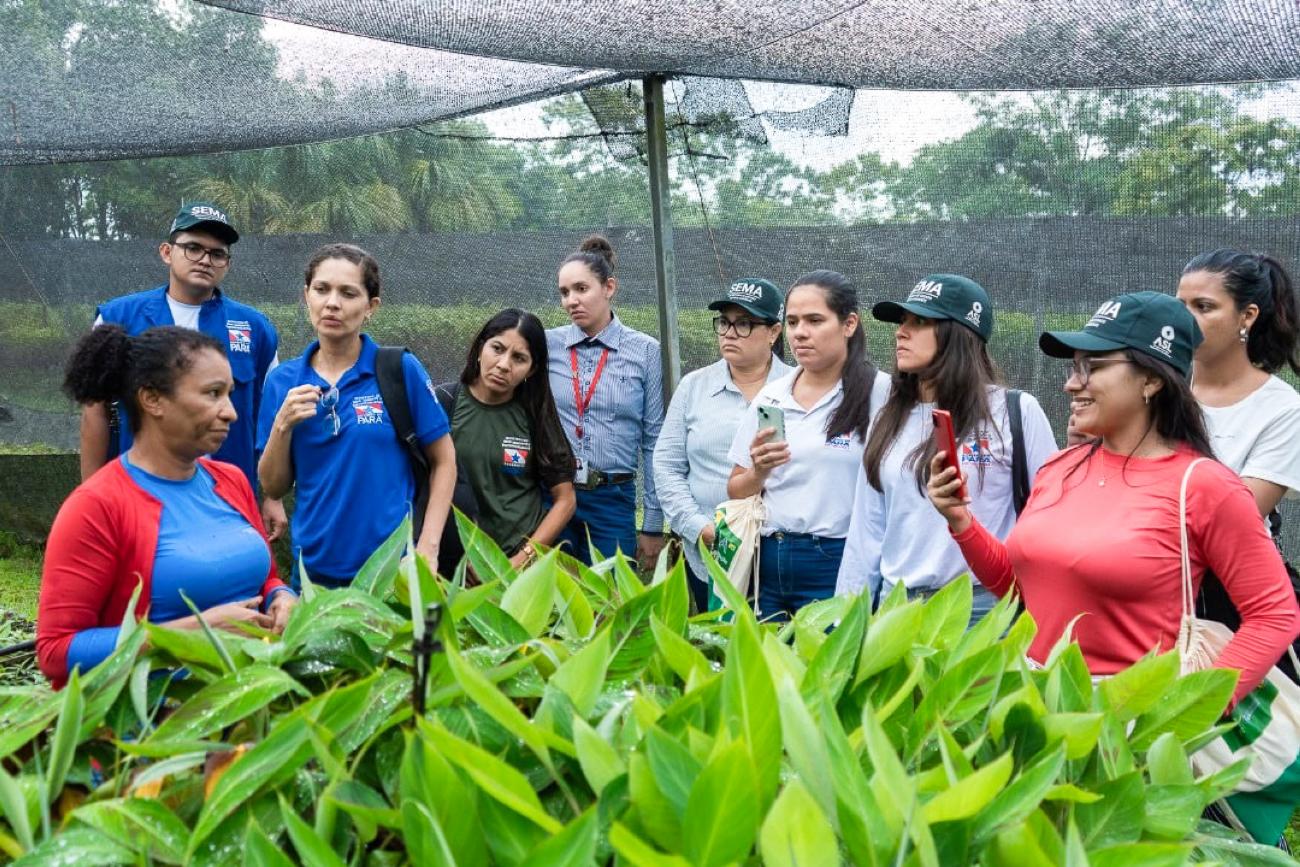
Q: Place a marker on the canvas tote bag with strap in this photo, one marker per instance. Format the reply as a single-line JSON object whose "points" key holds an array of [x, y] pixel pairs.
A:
{"points": [[1267, 718]]}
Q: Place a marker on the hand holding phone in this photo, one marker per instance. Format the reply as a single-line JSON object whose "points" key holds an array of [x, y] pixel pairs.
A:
{"points": [[769, 450], [773, 417], [945, 441]]}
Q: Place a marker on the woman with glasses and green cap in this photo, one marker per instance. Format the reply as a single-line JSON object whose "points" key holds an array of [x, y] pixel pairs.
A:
{"points": [[691, 463], [1100, 535], [941, 361]]}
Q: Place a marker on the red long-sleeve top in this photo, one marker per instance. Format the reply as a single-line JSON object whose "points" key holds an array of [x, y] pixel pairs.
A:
{"points": [[1100, 537], [101, 545]]}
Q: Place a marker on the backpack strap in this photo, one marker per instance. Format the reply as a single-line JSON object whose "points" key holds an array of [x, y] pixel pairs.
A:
{"points": [[392, 390], [1019, 463], [446, 393]]}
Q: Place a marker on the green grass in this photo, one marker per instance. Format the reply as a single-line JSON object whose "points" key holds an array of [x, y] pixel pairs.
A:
{"points": [[20, 576]]}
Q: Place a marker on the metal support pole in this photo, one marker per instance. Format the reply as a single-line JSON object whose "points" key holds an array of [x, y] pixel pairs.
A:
{"points": [[661, 224]]}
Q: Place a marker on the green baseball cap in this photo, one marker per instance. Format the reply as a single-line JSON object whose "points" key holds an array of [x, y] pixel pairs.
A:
{"points": [[944, 296], [205, 216], [1155, 324], [754, 295]]}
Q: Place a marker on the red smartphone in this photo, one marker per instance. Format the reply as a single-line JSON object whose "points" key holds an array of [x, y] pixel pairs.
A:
{"points": [[946, 441]]}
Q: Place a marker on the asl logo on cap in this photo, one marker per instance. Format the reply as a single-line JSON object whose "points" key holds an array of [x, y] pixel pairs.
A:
{"points": [[1105, 313], [745, 292], [207, 212], [973, 317], [1164, 344], [925, 291]]}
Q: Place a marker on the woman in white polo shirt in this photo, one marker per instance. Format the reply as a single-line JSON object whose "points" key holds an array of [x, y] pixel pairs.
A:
{"points": [[941, 361], [807, 479]]}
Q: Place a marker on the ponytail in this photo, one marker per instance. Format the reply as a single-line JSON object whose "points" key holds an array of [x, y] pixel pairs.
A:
{"points": [[107, 364], [96, 370], [597, 253], [1259, 279]]}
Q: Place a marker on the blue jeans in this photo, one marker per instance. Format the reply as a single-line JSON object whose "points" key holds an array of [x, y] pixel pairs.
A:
{"points": [[795, 569], [608, 513], [981, 603]]}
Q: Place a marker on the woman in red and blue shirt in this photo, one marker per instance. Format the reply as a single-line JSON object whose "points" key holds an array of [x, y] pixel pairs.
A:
{"points": [[161, 516]]}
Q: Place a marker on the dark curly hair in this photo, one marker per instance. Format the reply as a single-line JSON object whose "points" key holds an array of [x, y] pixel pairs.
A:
{"points": [[107, 364]]}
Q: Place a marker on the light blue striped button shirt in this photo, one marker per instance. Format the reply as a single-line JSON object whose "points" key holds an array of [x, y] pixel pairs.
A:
{"points": [[627, 409], [691, 462]]}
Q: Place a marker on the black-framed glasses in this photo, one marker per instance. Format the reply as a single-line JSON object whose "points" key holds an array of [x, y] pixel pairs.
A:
{"points": [[329, 401], [195, 252], [1081, 368], [742, 327]]}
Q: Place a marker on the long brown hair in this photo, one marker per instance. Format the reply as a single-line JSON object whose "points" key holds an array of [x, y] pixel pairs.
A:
{"points": [[961, 373]]}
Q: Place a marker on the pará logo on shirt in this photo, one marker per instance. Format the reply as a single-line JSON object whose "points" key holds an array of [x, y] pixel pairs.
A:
{"points": [[1105, 313], [1164, 344], [369, 409], [240, 333], [975, 449], [925, 291], [839, 442], [514, 455]]}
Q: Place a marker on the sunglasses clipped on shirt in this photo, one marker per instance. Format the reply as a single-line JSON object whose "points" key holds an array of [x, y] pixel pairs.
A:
{"points": [[329, 402]]}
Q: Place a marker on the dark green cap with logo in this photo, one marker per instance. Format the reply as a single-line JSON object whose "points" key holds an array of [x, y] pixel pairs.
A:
{"points": [[756, 296], [944, 296], [1155, 324], [207, 217]]}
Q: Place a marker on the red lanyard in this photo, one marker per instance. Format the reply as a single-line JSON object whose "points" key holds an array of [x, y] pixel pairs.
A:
{"points": [[584, 401]]}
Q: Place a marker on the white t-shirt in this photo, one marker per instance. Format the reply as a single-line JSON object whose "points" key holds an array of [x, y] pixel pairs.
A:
{"points": [[896, 535], [813, 492], [1258, 437]]}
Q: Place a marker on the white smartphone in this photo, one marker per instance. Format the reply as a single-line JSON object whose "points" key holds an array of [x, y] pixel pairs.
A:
{"points": [[773, 417]]}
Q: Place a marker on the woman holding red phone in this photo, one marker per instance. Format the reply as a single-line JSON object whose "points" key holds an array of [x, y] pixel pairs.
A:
{"points": [[942, 370], [826, 406], [1101, 533]]}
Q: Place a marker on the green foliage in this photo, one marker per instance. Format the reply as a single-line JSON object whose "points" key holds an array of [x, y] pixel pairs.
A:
{"points": [[632, 733]]}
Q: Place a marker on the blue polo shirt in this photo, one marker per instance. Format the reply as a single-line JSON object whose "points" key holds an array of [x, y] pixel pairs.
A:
{"points": [[250, 342], [353, 488]]}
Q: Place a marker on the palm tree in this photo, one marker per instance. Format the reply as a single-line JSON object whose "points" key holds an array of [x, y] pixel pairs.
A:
{"points": [[248, 185]]}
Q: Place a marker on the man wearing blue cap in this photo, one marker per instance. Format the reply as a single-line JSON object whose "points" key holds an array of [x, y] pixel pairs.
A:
{"points": [[197, 256]]}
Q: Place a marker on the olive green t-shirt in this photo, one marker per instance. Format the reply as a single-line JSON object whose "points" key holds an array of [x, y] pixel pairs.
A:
{"points": [[494, 445]]}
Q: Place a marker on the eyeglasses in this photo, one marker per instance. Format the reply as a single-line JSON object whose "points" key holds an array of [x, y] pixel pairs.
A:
{"points": [[1081, 368], [195, 253], [329, 401], [742, 327]]}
